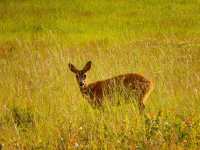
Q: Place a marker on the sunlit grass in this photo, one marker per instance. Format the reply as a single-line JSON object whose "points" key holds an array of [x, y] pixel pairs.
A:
{"points": [[41, 106]]}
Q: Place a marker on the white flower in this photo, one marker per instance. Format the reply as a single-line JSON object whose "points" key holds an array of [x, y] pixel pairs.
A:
{"points": [[76, 145]]}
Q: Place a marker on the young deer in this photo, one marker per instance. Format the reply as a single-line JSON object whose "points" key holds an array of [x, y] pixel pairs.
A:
{"points": [[132, 83]]}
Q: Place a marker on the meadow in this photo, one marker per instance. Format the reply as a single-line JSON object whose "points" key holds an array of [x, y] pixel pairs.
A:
{"points": [[41, 106]]}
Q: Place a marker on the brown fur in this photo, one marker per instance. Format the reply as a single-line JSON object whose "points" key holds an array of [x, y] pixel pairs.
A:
{"points": [[132, 83]]}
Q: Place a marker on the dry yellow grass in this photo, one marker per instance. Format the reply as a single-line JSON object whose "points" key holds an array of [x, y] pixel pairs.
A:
{"points": [[40, 103]]}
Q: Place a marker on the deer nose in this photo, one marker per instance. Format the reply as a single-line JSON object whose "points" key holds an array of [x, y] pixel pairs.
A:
{"points": [[81, 83]]}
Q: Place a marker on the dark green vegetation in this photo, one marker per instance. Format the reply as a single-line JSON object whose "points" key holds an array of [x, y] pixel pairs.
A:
{"points": [[40, 103]]}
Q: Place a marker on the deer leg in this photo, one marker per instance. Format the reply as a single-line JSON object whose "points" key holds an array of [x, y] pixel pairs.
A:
{"points": [[98, 101], [141, 108], [141, 103]]}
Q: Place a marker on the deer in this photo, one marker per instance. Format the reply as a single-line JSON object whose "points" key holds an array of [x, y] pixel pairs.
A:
{"points": [[133, 83]]}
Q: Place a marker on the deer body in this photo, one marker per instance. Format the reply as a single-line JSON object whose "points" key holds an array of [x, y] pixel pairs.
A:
{"points": [[131, 84]]}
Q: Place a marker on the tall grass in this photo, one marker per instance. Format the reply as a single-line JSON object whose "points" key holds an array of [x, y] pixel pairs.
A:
{"points": [[41, 106]]}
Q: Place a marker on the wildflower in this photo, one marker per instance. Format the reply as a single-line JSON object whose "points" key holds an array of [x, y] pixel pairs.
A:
{"points": [[61, 139], [76, 145]]}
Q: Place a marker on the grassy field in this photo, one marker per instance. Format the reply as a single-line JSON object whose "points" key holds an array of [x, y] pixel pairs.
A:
{"points": [[41, 106]]}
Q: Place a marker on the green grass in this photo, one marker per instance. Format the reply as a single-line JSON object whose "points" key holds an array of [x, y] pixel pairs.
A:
{"points": [[41, 106]]}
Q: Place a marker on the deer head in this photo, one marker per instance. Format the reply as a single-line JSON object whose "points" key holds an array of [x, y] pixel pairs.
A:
{"points": [[81, 74]]}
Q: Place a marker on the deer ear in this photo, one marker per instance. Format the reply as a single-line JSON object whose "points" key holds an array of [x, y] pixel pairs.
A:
{"points": [[72, 68], [87, 66]]}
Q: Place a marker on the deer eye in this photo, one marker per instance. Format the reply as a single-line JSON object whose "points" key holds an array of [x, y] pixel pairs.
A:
{"points": [[84, 76]]}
